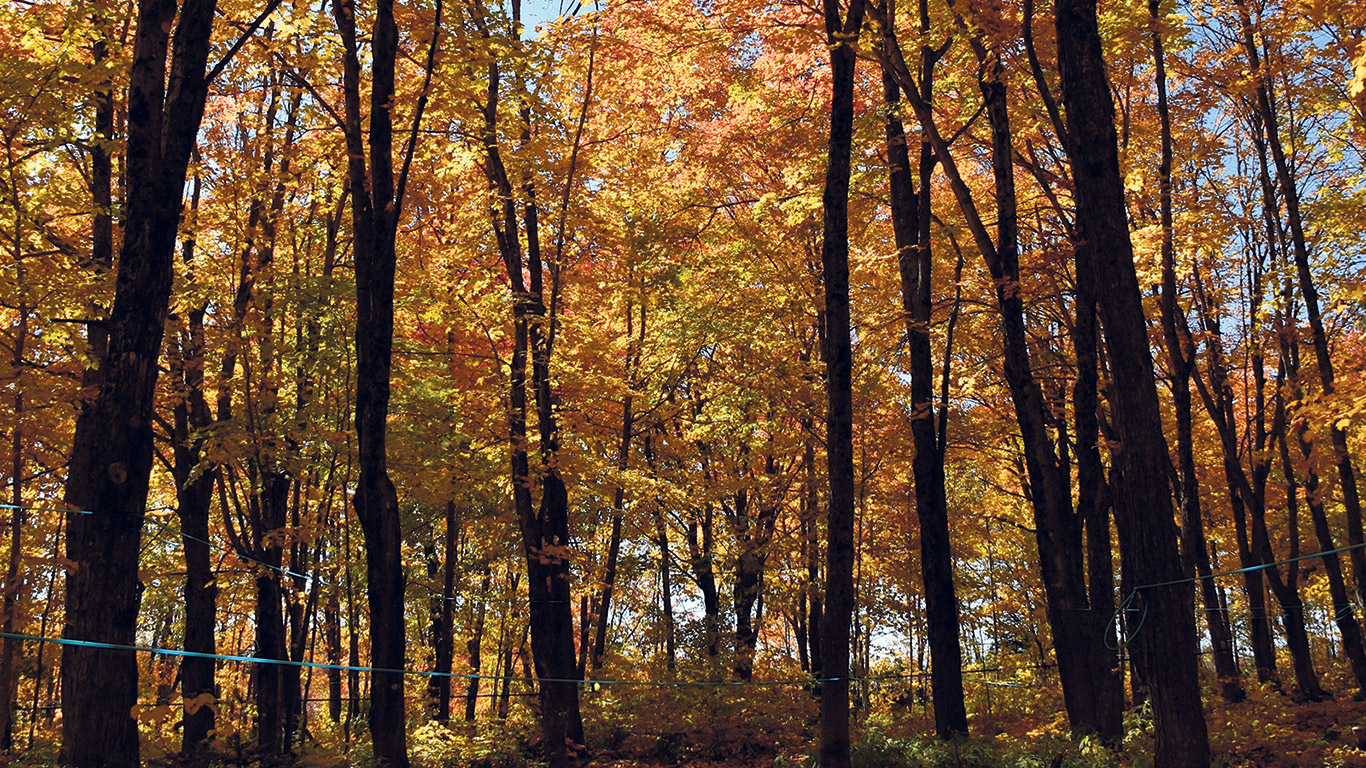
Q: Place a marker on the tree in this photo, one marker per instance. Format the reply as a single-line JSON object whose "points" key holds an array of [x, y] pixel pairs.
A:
{"points": [[111, 455], [911, 219], [377, 190], [1148, 543], [841, 33]]}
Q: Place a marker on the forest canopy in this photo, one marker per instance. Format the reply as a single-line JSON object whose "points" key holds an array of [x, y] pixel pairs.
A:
{"points": [[453, 382]]}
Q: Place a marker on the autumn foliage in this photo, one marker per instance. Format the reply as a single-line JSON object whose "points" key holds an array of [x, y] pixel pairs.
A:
{"points": [[503, 349]]}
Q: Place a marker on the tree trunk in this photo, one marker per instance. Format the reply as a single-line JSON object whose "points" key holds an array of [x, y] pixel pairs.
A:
{"points": [[1219, 404], [1290, 194], [270, 644], [376, 205], [634, 350], [332, 641], [443, 629], [1287, 589], [911, 226], [12, 585], [545, 530], [474, 645], [1148, 536], [841, 37], [1180, 354], [111, 455], [194, 496], [1077, 634], [700, 554]]}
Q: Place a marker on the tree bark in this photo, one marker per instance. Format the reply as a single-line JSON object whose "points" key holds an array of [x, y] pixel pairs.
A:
{"points": [[194, 494], [1077, 631], [111, 455], [1290, 195], [911, 229], [700, 537], [443, 629], [544, 529], [376, 205], [475, 645], [1148, 537], [842, 38], [1180, 355]]}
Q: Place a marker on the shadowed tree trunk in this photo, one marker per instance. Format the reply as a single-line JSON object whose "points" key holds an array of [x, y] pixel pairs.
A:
{"points": [[194, 494], [634, 348], [544, 527], [1180, 355], [443, 643], [1077, 629], [700, 546], [1265, 107], [911, 214], [841, 36], [376, 206], [1148, 536], [111, 455], [475, 645]]}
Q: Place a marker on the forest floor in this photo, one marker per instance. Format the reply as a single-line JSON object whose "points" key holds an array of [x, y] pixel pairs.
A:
{"points": [[1018, 727], [1267, 730]]}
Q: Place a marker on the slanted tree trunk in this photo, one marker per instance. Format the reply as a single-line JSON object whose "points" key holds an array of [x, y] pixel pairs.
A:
{"points": [[1148, 536], [841, 34], [634, 349], [1244, 495], [911, 215], [1290, 196], [1180, 356], [1077, 634], [111, 455]]}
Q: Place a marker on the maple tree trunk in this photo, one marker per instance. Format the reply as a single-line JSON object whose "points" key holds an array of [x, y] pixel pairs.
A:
{"points": [[666, 596], [812, 550], [12, 585], [1194, 550], [1077, 634], [376, 203], [475, 645], [332, 642], [700, 553], [269, 645], [841, 34], [609, 578], [1286, 589], [300, 613], [1219, 404], [749, 583], [352, 642], [1344, 615], [193, 499], [111, 455], [1093, 512], [604, 603], [1148, 536], [1290, 195], [443, 629], [911, 228]]}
